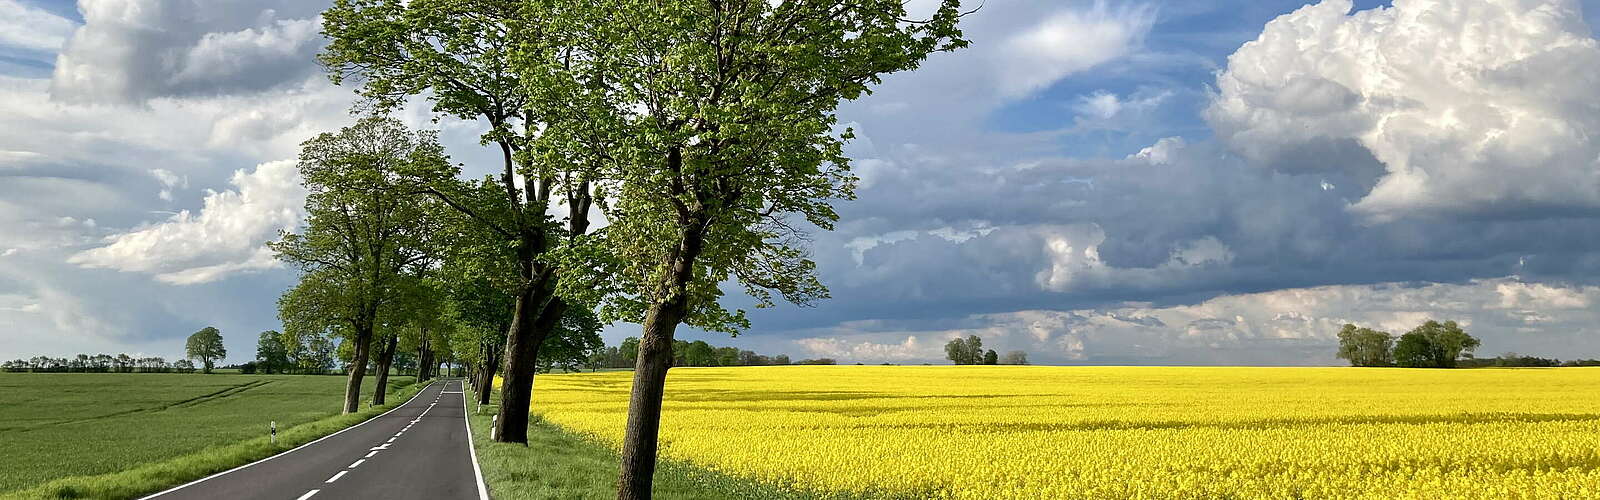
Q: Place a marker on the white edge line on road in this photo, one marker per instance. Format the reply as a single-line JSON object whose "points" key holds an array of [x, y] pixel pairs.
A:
{"points": [[308, 494], [483, 490], [337, 476], [292, 450]]}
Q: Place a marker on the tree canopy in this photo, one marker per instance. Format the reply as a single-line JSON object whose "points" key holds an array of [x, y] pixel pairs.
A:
{"points": [[206, 346], [1365, 346], [363, 233]]}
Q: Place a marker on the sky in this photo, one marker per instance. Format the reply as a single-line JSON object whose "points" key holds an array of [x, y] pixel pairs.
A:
{"points": [[1091, 182]]}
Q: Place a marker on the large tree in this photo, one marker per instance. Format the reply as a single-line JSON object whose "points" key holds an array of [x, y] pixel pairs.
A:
{"points": [[501, 62], [363, 232], [271, 355], [1365, 346], [721, 114], [206, 346]]}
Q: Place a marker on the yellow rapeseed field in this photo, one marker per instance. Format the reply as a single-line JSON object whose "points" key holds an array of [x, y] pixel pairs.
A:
{"points": [[1119, 432]]}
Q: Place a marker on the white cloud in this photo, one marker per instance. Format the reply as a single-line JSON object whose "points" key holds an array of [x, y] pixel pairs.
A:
{"points": [[30, 28], [1068, 42], [219, 56], [131, 51], [1472, 106], [1162, 152], [828, 347], [225, 237], [1290, 326], [169, 181]]}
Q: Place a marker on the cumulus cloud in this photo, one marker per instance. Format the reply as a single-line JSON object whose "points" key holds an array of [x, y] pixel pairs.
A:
{"points": [[136, 50], [1482, 107], [225, 237], [1067, 42], [1296, 326], [25, 27]]}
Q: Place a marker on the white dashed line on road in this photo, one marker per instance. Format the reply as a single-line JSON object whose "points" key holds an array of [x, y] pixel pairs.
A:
{"points": [[308, 494], [357, 464], [369, 455], [337, 476]]}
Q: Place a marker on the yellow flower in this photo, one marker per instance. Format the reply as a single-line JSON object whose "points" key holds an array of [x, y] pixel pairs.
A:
{"points": [[996, 432]]}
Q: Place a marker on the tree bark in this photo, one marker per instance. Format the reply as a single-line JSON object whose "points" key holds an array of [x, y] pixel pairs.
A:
{"points": [[528, 332], [486, 375], [358, 368], [385, 360], [671, 307], [644, 406]]}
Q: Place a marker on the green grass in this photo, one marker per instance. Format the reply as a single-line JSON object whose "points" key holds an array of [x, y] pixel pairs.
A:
{"points": [[557, 464], [122, 435]]}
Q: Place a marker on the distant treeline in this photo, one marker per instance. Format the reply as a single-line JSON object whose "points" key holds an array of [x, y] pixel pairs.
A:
{"points": [[1430, 345], [1512, 359], [697, 353], [98, 363]]}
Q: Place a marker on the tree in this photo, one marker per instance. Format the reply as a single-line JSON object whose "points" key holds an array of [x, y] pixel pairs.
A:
{"points": [[363, 232], [722, 114], [461, 56], [699, 353], [183, 366], [1413, 351], [974, 352], [1366, 347], [1014, 358], [271, 355], [206, 346], [1446, 342], [956, 351], [991, 358], [577, 337], [781, 359], [968, 351], [630, 350]]}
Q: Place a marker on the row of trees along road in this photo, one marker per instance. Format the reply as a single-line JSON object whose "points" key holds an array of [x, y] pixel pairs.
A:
{"points": [[704, 132], [1430, 345], [969, 351]]}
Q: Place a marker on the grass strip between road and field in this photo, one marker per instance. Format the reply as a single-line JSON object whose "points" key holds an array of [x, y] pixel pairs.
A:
{"points": [[557, 463], [155, 477]]}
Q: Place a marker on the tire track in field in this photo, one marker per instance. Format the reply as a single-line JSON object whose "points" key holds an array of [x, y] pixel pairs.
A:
{"points": [[229, 391]]}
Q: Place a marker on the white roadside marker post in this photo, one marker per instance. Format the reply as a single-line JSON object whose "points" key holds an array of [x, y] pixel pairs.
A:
{"points": [[274, 431], [493, 427]]}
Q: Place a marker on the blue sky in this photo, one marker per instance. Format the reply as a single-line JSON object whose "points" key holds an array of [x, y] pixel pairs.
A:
{"points": [[1092, 182]]}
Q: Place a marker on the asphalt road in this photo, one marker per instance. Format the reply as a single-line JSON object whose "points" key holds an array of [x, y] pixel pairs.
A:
{"points": [[418, 450]]}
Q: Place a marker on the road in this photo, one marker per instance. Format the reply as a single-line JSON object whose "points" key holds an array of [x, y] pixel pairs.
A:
{"points": [[419, 450]]}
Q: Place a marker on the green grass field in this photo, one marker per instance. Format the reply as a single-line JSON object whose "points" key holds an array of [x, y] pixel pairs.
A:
{"points": [[58, 425]]}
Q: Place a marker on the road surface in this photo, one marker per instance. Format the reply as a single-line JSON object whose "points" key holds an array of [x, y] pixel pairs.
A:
{"points": [[419, 450]]}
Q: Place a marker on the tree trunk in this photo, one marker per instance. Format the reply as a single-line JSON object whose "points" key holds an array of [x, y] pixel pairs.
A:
{"points": [[385, 359], [670, 307], [644, 406], [527, 334], [358, 368], [486, 375], [424, 359]]}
